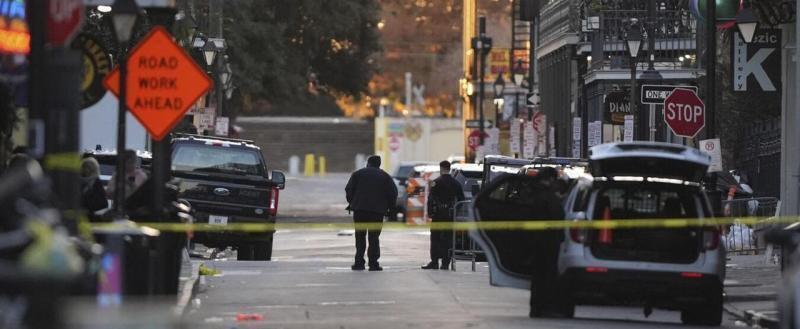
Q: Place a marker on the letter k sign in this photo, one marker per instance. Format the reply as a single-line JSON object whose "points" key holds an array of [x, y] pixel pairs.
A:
{"points": [[754, 66]]}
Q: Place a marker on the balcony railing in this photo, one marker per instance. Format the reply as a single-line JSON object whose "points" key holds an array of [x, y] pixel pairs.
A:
{"points": [[675, 33]]}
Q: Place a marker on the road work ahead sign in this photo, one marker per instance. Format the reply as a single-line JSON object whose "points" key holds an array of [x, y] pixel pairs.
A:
{"points": [[757, 65], [163, 82]]}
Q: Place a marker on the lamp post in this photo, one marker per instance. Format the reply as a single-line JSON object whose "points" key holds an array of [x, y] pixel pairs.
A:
{"points": [[499, 87], [519, 77], [634, 42], [123, 17], [747, 23]]}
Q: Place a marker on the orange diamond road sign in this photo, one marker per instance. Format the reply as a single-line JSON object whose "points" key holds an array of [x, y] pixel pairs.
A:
{"points": [[163, 82]]}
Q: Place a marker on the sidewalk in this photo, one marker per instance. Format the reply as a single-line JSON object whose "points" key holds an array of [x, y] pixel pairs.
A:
{"points": [[751, 289]]}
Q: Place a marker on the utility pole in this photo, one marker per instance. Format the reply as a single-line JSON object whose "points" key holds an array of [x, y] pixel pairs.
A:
{"points": [[54, 102], [481, 46]]}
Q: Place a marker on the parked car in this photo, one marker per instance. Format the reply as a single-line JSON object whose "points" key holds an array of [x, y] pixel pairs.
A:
{"points": [[679, 269], [469, 175], [108, 162], [226, 181], [495, 166]]}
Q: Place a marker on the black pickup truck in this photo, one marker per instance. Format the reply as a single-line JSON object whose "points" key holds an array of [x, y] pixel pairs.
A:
{"points": [[226, 181]]}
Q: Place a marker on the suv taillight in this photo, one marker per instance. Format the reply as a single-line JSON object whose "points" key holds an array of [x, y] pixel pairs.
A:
{"points": [[711, 238], [578, 235], [273, 202]]}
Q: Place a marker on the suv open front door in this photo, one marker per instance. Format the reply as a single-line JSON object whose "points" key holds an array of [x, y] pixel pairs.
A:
{"points": [[512, 253]]}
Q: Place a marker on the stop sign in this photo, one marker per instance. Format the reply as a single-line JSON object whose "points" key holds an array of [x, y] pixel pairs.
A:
{"points": [[64, 19], [474, 139], [684, 112]]}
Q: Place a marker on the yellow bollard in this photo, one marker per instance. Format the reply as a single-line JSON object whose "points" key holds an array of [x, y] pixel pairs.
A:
{"points": [[309, 165], [322, 166]]}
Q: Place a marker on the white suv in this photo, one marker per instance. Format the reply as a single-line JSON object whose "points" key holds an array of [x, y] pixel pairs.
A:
{"points": [[679, 268]]}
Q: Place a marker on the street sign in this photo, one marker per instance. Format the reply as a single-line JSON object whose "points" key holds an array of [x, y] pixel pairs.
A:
{"points": [[656, 94], [531, 99], [163, 82], [515, 133], [64, 20], [684, 113], [474, 139], [627, 135], [476, 124], [713, 148], [96, 66], [222, 126]]}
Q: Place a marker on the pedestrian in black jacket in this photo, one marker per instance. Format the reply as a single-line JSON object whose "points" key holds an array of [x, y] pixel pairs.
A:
{"points": [[444, 193], [371, 193]]}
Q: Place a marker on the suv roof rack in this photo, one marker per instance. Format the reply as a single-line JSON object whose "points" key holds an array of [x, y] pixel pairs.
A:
{"points": [[196, 136]]}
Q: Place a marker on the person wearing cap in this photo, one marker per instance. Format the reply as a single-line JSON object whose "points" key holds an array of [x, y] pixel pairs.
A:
{"points": [[445, 192], [371, 193]]}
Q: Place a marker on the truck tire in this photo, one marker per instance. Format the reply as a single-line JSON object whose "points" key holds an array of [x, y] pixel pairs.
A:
{"points": [[245, 252], [708, 314], [263, 250]]}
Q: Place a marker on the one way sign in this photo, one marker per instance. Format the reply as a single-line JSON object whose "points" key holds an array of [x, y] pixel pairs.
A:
{"points": [[757, 65]]}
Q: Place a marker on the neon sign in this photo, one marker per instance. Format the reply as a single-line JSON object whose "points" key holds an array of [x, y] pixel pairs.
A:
{"points": [[14, 35]]}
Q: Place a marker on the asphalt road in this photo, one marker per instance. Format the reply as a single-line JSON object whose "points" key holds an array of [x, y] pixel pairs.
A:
{"points": [[310, 285]]}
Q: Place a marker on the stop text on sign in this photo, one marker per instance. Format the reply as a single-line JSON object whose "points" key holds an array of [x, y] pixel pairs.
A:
{"points": [[684, 112]]}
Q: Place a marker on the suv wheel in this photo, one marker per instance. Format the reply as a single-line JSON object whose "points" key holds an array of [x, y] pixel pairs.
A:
{"points": [[245, 252], [708, 314], [262, 250]]}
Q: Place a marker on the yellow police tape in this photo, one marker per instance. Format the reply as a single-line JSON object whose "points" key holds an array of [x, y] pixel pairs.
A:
{"points": [[506, 225], [67, 161]]}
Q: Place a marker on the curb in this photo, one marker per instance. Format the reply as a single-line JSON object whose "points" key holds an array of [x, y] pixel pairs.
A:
{"points": [[188, 290], [756, 319], [765, 297]]}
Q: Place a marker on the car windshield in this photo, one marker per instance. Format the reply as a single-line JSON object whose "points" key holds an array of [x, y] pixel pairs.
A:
{"points": [[403, 172], [472, 174], [207, 158]]}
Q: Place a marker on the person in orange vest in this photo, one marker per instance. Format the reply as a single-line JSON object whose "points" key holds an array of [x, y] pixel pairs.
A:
{"points": [[444, 193], [371, 193]]}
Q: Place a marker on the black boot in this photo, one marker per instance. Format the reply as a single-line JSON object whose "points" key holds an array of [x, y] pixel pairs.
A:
{"points": [[433, 265]]}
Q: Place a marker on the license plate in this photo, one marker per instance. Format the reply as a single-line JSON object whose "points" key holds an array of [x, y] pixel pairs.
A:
{"points": [[217, 220]]}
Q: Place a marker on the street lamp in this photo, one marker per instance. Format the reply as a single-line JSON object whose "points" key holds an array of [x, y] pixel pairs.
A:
{"points": [[123, 17], [209, 52], [499, 87], [747, 23], [634, 42]]}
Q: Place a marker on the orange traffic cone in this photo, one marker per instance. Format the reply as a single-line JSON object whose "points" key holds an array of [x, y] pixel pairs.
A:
{"points": [[606, 235]]}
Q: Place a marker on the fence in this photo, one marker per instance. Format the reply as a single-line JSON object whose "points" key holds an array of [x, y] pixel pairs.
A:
{"points": [[464, 248], [744, 239]]}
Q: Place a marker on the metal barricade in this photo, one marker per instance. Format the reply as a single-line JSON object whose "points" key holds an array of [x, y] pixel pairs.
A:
{"points": [[464, 248], [746, 239]]}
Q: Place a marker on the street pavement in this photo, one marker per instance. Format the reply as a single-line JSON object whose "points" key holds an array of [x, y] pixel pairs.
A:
{"points": [[309, 283]]}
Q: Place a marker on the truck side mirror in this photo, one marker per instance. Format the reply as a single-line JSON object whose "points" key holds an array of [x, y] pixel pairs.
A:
{"points": [[279, 179]]}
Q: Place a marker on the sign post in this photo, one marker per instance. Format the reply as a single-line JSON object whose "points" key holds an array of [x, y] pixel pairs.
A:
{"points": [[684, 113]]}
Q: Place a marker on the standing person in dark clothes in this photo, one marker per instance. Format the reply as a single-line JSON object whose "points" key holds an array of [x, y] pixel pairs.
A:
{"points": [[546, 295], [445, 192], [371, 193]]}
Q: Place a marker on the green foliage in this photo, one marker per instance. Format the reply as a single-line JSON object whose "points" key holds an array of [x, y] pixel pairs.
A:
{"points": [[286, 52]]}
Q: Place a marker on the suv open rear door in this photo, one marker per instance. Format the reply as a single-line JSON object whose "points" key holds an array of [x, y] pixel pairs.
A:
{"points": [[511, 252]]}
